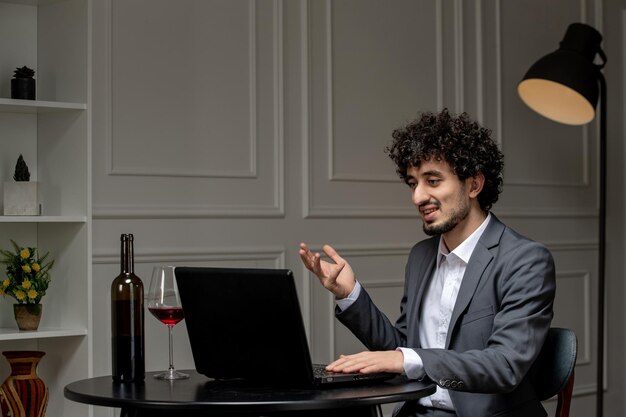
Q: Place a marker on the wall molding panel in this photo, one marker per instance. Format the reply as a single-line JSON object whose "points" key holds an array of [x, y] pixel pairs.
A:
{"points": [[257, 169], [558, 187], [140, 211], [584, 339], [323, 143], [566, 213], [274, 254]]}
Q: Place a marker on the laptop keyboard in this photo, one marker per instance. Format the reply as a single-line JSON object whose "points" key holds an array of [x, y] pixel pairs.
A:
{"points": [[320, 371]]}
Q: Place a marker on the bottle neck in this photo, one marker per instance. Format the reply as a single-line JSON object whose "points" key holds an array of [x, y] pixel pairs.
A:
{"points": [[127, 261]]}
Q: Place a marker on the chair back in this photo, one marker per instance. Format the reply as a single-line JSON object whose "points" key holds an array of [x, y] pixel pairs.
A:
{"points": [[553, 371]]}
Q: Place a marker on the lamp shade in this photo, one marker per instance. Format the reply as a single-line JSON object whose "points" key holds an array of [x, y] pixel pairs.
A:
{"points": [[563, 85]]}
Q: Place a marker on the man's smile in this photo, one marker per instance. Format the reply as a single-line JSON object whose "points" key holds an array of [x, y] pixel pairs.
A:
{"points": [[428, 211]]}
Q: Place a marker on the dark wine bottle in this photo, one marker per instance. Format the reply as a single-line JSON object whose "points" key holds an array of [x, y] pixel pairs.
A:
{"points": [[127, 319]]}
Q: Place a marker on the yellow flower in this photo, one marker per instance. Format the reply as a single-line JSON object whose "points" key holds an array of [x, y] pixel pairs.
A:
{"points": [[26, 278]]}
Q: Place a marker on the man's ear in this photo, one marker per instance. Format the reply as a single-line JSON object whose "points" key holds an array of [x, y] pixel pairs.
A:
{"points": [[476, 184]]}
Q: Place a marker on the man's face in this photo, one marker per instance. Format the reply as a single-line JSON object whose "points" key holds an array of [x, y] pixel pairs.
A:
{"points": [[441, 198]]}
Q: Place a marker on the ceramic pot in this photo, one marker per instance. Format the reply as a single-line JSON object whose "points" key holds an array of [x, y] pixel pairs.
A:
{"points": [[23, 88], [23, 393], [27, 316], [21, 198]]}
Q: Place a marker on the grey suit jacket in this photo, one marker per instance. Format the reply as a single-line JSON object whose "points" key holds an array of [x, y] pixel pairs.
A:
{"points": [[498, 325]]}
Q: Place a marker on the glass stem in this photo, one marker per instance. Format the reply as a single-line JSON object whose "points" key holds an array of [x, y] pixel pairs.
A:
{"points": [[169, 329]]}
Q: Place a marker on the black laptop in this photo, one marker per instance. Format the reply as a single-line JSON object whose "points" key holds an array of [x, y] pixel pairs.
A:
{"points": [[245, 324]]}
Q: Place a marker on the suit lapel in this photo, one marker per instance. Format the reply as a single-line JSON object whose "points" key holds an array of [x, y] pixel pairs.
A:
{"points": [[426, 274], [480, 259], [423, 273]]}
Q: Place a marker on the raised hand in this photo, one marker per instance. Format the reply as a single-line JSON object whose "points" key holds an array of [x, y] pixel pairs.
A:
{"points": [[336, 277]]}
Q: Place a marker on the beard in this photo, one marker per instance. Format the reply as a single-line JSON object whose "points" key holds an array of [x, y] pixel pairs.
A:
{"points": [[459, 213]]}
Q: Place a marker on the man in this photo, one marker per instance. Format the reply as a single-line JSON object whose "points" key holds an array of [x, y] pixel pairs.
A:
{"points": [[478, 296]]}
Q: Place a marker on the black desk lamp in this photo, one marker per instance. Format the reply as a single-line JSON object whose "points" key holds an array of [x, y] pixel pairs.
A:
{"points": [[563, 86]]}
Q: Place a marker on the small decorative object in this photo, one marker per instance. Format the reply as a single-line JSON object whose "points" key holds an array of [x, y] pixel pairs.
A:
{"points": [[20, 195], [23, 84], [21, 170], [27, 279], [27, 316], [23, 393]]}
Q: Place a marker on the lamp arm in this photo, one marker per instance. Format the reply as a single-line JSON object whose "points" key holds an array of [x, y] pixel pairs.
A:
{"points": [[601, 243]]}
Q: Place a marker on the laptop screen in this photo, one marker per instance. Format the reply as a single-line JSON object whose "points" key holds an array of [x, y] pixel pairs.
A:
{"points": [[245, 324]]}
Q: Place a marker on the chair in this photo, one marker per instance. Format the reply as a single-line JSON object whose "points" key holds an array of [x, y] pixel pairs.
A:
{"points": [[553, 371]]}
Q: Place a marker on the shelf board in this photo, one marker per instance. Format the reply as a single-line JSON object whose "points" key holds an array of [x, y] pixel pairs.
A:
{"points": [[42, 333], [31, 2], [8, 105], [43, 219]]}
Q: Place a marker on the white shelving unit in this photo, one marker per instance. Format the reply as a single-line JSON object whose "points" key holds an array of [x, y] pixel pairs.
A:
{"points": [[41, 333], [53, 134], [37, 106], [43, 219]]}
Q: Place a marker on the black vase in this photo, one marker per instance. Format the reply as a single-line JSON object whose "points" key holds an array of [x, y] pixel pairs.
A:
{"points": [[23, 88]]}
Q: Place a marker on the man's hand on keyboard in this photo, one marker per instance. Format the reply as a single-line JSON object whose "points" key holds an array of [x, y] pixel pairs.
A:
{"points": [[369, 362]]}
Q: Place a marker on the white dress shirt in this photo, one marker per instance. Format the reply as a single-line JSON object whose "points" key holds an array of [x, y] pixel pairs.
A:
{"points": [[436, 309]]}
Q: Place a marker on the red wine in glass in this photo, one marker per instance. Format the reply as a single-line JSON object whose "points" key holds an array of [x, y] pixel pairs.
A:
{"points": [[168, 315], [164, 304]]}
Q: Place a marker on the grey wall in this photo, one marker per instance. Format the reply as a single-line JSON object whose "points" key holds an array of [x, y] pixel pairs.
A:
{"points": [[226, 132]]}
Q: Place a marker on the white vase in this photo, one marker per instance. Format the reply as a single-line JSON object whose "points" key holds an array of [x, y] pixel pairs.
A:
{"points": [[20, 198]]}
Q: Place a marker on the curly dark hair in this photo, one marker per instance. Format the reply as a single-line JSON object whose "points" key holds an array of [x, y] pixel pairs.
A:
{"points": [[457, 140]]}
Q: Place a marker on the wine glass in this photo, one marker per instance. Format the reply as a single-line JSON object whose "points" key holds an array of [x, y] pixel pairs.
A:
{"points": [[164, 304]]}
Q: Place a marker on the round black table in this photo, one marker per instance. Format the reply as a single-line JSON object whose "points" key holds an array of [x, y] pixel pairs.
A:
{"points": [[200, 395]]}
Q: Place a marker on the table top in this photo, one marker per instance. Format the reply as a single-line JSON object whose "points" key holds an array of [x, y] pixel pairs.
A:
{"points": [[202, 393]]}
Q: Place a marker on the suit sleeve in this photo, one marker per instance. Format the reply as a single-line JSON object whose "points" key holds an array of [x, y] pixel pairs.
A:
{"points": [[526, 287], [370, 325]]}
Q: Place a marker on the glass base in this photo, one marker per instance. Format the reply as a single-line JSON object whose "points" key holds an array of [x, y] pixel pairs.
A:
{"points": [[171, 374]]}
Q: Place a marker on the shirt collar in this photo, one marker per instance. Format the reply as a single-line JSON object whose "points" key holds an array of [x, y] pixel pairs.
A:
{"points": [[466, 248]]}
